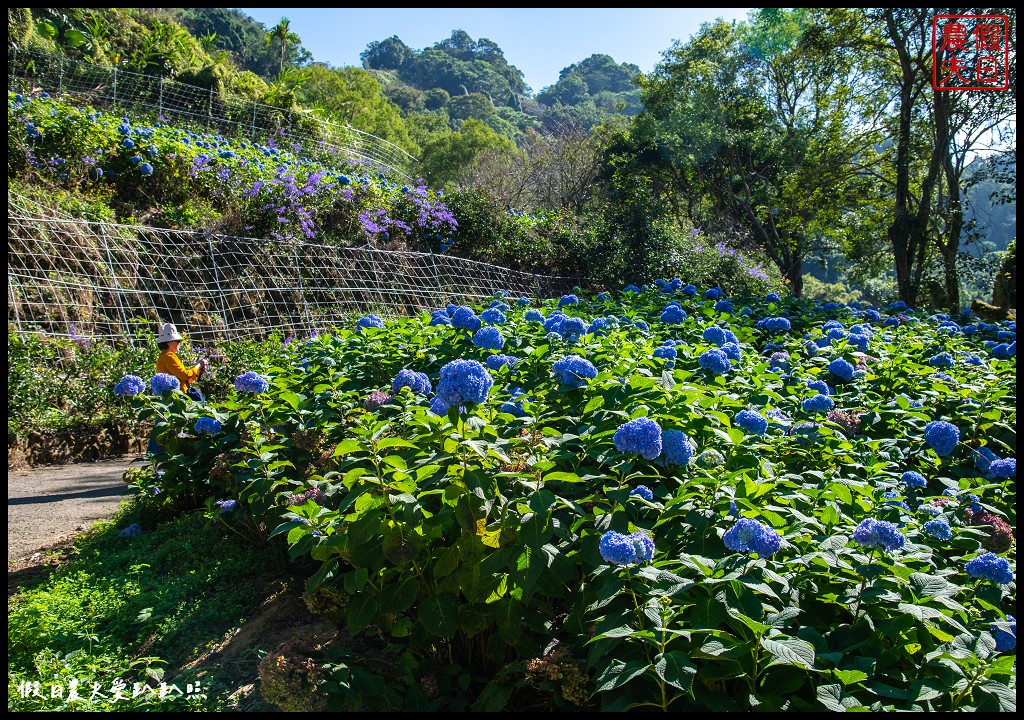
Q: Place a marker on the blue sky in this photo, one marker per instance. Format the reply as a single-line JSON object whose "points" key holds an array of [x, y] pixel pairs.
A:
{"points": [[538, 41]]}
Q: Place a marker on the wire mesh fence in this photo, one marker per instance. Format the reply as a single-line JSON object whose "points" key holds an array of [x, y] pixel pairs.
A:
{"points": [[222, 113], [69, 277]]}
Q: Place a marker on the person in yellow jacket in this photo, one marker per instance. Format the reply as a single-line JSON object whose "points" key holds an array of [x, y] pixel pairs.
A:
{"points": [[169, 362], [168, 340]]}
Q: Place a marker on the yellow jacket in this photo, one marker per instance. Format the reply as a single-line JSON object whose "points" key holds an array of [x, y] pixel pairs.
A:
{"points": [[170, 363]]}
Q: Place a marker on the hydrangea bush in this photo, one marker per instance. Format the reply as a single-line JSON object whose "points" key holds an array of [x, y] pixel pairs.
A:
{"points": [[714, 535]]}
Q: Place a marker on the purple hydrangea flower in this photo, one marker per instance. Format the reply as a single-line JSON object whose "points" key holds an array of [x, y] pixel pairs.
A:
{"points": [[227, 506]]}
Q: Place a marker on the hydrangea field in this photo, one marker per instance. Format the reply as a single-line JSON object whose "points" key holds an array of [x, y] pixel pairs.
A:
{"points": [[662, 498]]}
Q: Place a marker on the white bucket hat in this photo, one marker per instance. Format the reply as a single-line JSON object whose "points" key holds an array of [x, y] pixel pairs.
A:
{"points": [[167, 333]]}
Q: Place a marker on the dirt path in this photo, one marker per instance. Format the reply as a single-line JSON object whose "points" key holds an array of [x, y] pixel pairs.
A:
{"points": [[48, 504]]}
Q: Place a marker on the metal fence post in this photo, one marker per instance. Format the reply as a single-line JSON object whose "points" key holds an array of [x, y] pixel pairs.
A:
{"points": [[115, 284], [160, 109], [303, 305], [115, 85], [60, 77]]}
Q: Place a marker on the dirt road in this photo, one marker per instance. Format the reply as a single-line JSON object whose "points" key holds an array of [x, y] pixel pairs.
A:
{"points": [[55, 502]]}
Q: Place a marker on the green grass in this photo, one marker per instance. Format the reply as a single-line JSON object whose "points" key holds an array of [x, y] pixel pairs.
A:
{"points": [[134, 610]]}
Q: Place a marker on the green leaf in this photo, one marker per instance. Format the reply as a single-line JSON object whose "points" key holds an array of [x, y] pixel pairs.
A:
{"points": [[440, 615], [676, 669], [493, 697], [849, 677], [325, 573], [789, 651], [618, 674], [563, 477], [394, 442], [400, 597], [362, 611], [347, 447], [291, 398], [593, 404]]}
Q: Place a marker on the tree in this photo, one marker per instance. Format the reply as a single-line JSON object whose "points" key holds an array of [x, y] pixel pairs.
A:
{"points": [[389, 54], [281, 37], [746, 124], [448, 155]]}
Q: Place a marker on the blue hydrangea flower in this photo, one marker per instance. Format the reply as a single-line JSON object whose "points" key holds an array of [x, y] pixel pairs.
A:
{"points": [[207, 425], [772, 297], [554, 323], [1005, 636], [226, 506], [572, 328], [989, 566], [941, 436], [251, 382], [715, 361], [162, 383], [779, 361], [440, 317], [938, 529], [817, 404], [641, 325], [732, 351], [898, 306], [689, 290], [642, 491], [465, 319], [714, 334], [724, 306], [631, 289], [641, 436], [369, 321], [514, 406], [1003, 468], [713, 294], [495, 362], [599, 326], [820, 385], [462, 382], [667, 352], [673, 314], [913, 479], [489, 338], [523, 302], [941, 360], [602, 297], [534, 315], [749, 535], [493, 316], [643, 544], [859, 340], [418, 382], [438, 406], [133, 530], [676, 448], [574, 370], [879, 533], [568, 300], [890, 496], [776, 325], [130, 386], [617, 548], [752, 422], [841, 369]]}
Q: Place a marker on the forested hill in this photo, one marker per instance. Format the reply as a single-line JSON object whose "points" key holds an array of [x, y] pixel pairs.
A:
{"points": [[457, 78]]}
